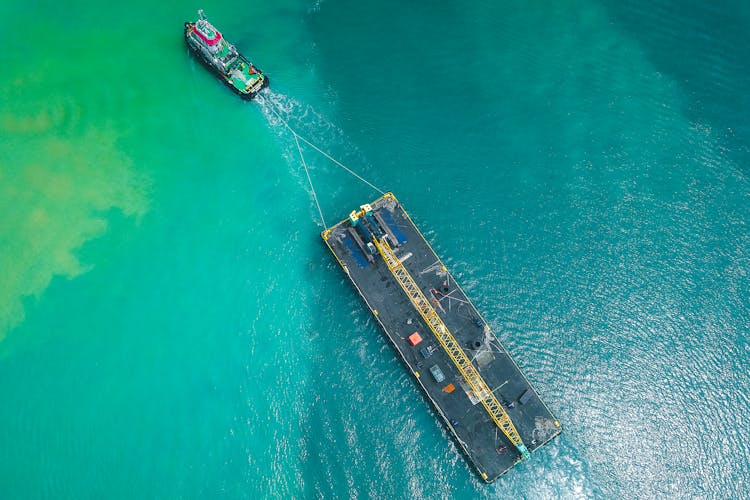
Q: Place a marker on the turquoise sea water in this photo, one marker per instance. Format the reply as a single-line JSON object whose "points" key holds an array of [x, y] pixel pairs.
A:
{"points": [[171, 324]]}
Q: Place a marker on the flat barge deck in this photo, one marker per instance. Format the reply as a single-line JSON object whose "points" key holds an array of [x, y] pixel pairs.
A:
{"points": [[482, 397]]}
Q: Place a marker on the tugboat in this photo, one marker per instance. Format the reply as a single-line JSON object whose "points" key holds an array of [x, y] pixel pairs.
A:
{"points": [[222, 58]]}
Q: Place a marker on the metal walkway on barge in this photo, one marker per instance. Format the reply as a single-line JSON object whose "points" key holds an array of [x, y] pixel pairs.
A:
{"points": [[486, 402]]}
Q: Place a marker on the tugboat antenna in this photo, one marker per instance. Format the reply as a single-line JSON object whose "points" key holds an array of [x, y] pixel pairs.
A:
{"points": [[201, 14]]}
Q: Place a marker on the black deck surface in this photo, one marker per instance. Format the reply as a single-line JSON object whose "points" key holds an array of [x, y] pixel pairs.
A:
{"points": [[467, 420]]}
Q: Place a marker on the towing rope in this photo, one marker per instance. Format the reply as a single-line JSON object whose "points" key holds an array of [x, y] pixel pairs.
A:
{"points": [[298, 137], [312, 188], [334, 160]]}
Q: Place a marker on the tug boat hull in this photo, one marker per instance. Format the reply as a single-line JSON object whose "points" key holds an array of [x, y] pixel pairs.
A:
{"points": [[223, 60]]}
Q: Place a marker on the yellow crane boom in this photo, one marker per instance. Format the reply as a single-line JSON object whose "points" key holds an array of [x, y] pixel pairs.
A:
{"points": [[455, 352]]}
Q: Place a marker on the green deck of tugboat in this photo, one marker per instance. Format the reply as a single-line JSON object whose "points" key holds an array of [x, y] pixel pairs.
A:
{"points": [[465, 417]]}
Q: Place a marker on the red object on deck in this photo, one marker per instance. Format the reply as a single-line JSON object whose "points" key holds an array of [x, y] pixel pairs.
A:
{"points": [[415, 338]]}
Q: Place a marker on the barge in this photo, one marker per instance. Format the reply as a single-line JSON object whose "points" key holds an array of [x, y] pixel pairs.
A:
{"points": [[484, 400], [223, 59]]}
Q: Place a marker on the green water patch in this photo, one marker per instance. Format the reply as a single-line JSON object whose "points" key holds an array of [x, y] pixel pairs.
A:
{"points": [[57, 184]]}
